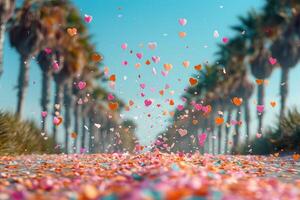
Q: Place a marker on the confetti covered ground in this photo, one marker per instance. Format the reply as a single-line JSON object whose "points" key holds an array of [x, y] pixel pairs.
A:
{"points": [[150, 175]]}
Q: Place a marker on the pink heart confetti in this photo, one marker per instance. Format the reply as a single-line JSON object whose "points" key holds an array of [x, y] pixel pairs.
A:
{"points": [[81, 85], [225, 40], [182, 21], [260, 108], [48, 50], [272, 61], [44, 114], [164, 73], [124, 46], [55, 66], [110, 97], [143, 85], [139, 55], [148, 102], [124, 63], [88, 18], [155, 59], [198, 106], [56, 121], [258, 135], [182, 132], [180, 107], [201, 139]]}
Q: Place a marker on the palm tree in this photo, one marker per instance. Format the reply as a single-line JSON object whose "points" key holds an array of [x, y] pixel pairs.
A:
{"points": [[259, 55], [6, 11], [26, 36], [287, 54]]}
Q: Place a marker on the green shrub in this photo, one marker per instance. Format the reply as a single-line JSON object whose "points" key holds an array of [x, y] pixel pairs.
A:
{"points": [[285, 137], [22, 137]]}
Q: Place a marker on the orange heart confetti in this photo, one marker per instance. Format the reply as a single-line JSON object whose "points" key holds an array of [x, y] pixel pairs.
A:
{"points": [[195, 121], [273, 103], [259, 81], [296, 157], [161, 92], [73, 135], [198, 67], [113, 105], [186, 63], [219, 120], [182, 34], [237, 101], [112, 78], [72, 31], [193, 81], [96, 57], [147, 62], [171, 102], [168, 66]]}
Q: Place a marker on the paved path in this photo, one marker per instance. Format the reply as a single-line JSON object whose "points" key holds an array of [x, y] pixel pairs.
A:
{"points": [[149, 176]]}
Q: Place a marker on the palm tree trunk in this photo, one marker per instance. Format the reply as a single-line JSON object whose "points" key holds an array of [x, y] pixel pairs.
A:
{"points": [[45, 100], [76, 126], [83, 130], [219, 138], [23, 82], [237, 131], [283, 89], [57, 101], [67, 105], [261, 96], [247, 120], [227, 130], [2, 33], [212, 127], [92, 133], [207, 146]]}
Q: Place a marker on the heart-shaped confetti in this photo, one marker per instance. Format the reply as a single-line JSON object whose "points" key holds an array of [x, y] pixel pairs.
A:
{"points": [[113, 105], [201, 139], [272, 61], [193, 81], [152, 45], [143, 85], [182, 34], [182, 132], [182, 21], [96, 57], [148, 102], [219, 120], [124, 46], [273, 103], [168, 66], [81, 85], [72, 31], [139, 55], [88, 18], [260, 108], [237, 101], [110, 97], [186, 63], [44, 114], [180, 107], [155, 59], [225, 40], [57, 121]]}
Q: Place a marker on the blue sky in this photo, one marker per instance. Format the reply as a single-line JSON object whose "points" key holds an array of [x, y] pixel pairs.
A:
{"points": [[138, 22]]}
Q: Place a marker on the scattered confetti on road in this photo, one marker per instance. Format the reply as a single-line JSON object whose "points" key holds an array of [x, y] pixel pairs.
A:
{"points": [[149, 175]]}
